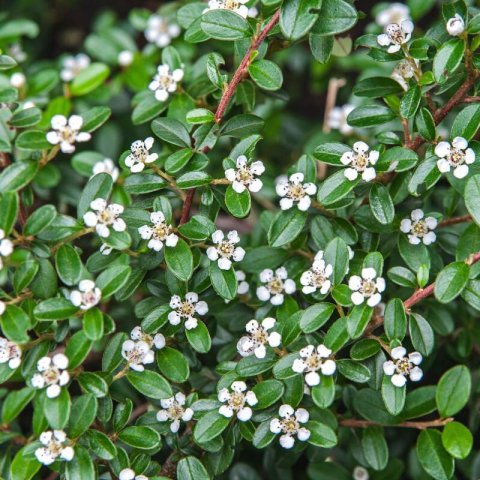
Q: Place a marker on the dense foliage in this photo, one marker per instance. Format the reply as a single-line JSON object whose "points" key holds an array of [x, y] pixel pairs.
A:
{"points": [[202, 279]]}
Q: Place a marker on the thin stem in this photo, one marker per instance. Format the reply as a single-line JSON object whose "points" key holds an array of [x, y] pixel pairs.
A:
{"points": [[72, 237], [169, 179], [455, 220], [421, 425], [121, 373], [187, 205]]}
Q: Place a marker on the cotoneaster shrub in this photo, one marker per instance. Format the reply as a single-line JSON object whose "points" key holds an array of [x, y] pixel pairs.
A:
{"points": [[201, 278]]}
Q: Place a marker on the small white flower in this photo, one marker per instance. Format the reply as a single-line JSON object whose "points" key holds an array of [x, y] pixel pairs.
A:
{"points": [[237, 401], [129, 474], [52, 374], [394, 13], [360, 160], [360, 473], [418, 228], [396, 35], [18, 80], [456, 156], [244, 176], [55, 446], [6, 247], [276, 284], [225, 250], [157, 340], [10, 352], [137, 354], [337, 119], [312, 360], [403, 366], [186, 310], [165, 82], [456, 25], [106, 166], [402, 72], [103, 217], [73, 65], [67, 132], [125, 58], [159, 233], [293, 190], [290, 424], [160, 32], [258, 338], [87, 295], [237, 6], [367, 287], [139, 155], [242, 284], [317, 278], [174, 410]]}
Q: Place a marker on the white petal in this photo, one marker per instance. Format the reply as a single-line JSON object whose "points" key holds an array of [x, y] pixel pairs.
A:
{"points": [[405, 225], [286, 441], [328, 367], [285, 411], [357, 298], [226, 411], [351, 174], [354, 282], [460, 143], [399, 380], [388, 368], [461, 171], [416, 374], [398, 353], [415, 357], [302, 415], [263, 294], [312, 379], [442, 149]]}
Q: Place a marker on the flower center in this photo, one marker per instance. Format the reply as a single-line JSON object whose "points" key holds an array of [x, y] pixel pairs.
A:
{"points": [[403, 366], [175, 412], [289, 425], [231, 4], [260, 336], [419, 228], [55, 448], [318, 278], [106, 217], [161, 231], [51, 375], [135, 355], [296, 191], [165, 82], [89, 297], [186, 309], [237, 400], [395, 34], [368, 288], [140, 153], [313, 362], [456, 157], [360, 162], [275, 286], [244, 175], [225, 249], [67, 134]]}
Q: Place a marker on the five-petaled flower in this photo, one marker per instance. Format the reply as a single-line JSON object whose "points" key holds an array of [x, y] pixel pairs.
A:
{"points": [[129, 474], [396, 35], [275, 285], [419, 228], [10, 352], [106, 166], [6, 247], [52, 374], [318, 277], [237, 6], [457, 156], [455, 25], [313, 360], [87, 295], [165, 82], [225, 250], [367, 287], [238, 401], [139, 350], [360, 160], [66, 132], [158, 234], [402, 366], [186, 310], [139, 155], [73, 65], [337, 119], [55, 446], [258, 338], [394, 13], [290, 425], [243, 176], [161, 32], [293, 190], [103, 217], [174, 410]]}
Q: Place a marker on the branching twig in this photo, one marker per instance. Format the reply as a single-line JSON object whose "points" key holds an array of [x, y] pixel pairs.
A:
{"points": [[455, 220], [422, 425]]}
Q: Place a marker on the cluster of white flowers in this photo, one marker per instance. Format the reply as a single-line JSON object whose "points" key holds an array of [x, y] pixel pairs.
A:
{"points": [[139, 155], [161, 32], [87, 296], [243, 177], [455, 156], [225, 250], [403, 71], [186, 310], [294, 191], [129, 474], [238, 401], [165, 82], [52, 374], [396, 35], [402, 366], [66, 132], [360, 160], [318, 277], [174, 410], [242, 284], [418, 228], [276, 284], [290, 425], [106, 166], [105, 216], [73, 65], [366, 287], [237, 6], [10, 352], [394, 13], [55, 446], [18, 80], [158, 234], [337, 119], [138, 351], [6, 247], [258, 338], [456, 25], [312, 360]]}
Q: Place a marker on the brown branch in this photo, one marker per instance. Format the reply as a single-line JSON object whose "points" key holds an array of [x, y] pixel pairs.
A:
{"points": [[473, 99], [455, 220], [187, 205], [356, 423], [138, 411]]}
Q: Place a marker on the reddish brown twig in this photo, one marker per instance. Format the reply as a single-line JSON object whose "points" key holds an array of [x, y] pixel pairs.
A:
{"points": [[455, 220], [473, 99], [356, 423], [187, 205]]}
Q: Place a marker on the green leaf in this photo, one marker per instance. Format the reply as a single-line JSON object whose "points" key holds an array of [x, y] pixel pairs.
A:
{"points": [[95, 118], [315, 316], [210, 426], [23, 468], [370, 115], [457, 440], [393, 397], [336, 254], [15, 324], [199, 338], [335, 188], [376, 87], [223, 24], [17, 175], [191, 468], [266, 74], [98, 186], [321, 47], [321, 435], [251, 365], [84, 410], [453, 390], [68, 264], [173, 365], [358, 320], [331, 153], [77, 349], [472, 197], [354, 371], [151, 384], [15, 402], [421, 334], [224, 282], [268, 392], [40, 219], [93, 324], [143, 438], [375, 447], [93, 383], [323, 395], [89, 79], [410, 102], [381, 204], [263, 436], [54, 309], [395, 320], [199, 116], [178, 160], [113, 279], [57, 410], [398, 158], [425, 124], [467, 122], [298, 16], [432, 455], [336, 16], [101, 445], [180, 260], [447, 59], [193, 180], [286, 226], [9, 205], [26, 118], [451, 281], [171, 131], [33, 140], [238, 204], [24, 275]]}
